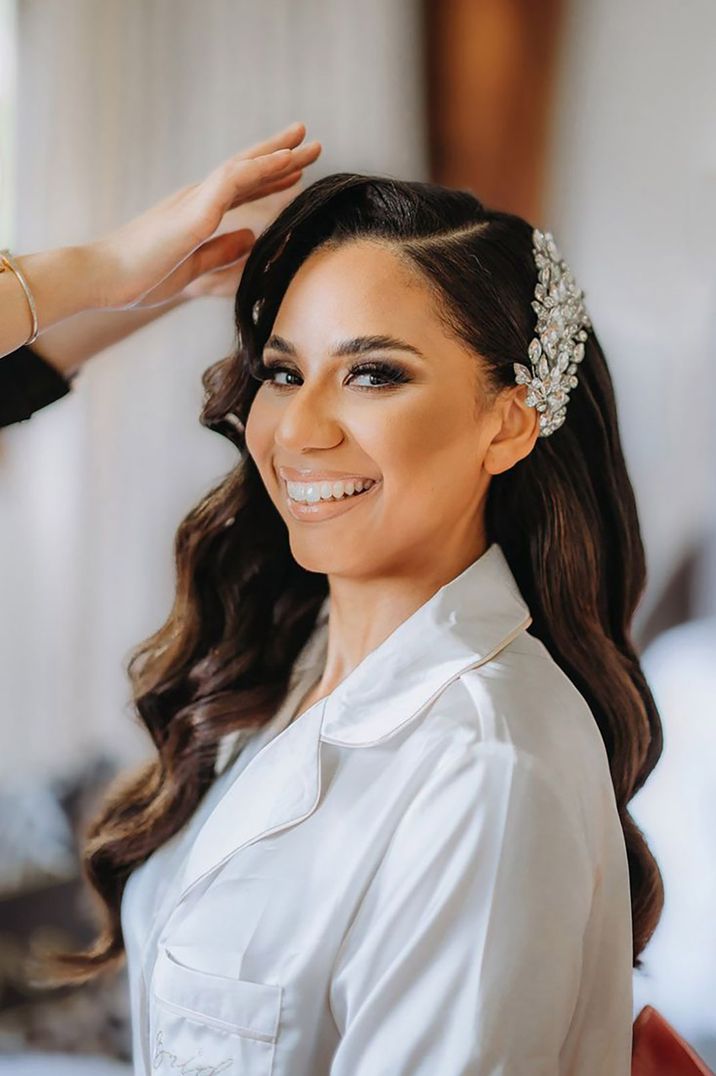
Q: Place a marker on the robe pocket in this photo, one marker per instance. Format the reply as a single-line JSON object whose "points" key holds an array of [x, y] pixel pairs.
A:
{"points": [[210, 1024]]}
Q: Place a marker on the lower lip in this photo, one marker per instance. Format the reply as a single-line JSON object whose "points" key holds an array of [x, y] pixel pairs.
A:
{"points": [[313, 513]]}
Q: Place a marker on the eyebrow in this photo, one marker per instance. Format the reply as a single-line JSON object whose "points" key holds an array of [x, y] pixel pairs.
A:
{"points": [[356, 345]]}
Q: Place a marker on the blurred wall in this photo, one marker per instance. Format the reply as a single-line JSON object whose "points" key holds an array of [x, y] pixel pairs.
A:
{"points": [[632, 200]]}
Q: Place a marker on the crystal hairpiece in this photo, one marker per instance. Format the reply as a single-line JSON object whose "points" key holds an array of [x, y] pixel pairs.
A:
{"points": [[560, 333]]}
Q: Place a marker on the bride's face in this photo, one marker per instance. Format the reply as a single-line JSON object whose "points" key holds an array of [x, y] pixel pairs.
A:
{"points": [[365, 381]]}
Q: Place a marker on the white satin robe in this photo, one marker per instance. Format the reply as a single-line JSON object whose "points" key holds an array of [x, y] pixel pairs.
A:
{"points": [[423, 875]]}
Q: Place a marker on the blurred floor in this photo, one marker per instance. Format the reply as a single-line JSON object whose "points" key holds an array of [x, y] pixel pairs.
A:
{"points": [[61, 1065]]}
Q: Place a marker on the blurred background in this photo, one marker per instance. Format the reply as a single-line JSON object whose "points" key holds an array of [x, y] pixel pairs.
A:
{"points": [[592, 118]]}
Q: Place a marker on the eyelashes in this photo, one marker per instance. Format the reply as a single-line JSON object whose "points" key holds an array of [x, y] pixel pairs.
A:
{"points": [[390, 373]]}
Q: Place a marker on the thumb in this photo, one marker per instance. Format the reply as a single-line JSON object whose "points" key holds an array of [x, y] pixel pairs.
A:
{"points": [[221, 250]]}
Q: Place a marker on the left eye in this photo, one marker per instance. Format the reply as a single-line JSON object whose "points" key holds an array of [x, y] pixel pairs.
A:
{"points": [[387, 372]]}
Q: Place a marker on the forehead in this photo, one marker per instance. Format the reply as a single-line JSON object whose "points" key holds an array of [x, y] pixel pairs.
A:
{"points": [[356, 287]]}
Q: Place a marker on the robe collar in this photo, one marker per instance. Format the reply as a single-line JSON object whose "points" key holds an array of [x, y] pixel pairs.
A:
{"points": [[467, 621], [464, 625]]}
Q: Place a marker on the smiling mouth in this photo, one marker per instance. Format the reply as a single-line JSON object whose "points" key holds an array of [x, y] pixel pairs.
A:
{"points": [[320, 491], [324, 509], [333, 499]]}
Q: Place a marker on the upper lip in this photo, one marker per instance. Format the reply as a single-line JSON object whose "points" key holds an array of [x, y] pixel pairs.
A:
{"points": [[306, 475]]}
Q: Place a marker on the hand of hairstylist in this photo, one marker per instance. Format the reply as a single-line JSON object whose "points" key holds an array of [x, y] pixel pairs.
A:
{"points": [[166, 256]]}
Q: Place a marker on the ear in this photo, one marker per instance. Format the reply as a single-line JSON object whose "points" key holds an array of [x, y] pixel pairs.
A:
{"points": [[517, 430]]}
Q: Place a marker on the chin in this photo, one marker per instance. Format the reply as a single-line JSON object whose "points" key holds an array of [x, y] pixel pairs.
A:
{"points": [[327, 558]]}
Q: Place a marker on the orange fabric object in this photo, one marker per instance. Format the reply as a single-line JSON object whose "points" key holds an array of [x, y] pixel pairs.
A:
{"points": [[659, 1050], [492, 70]]}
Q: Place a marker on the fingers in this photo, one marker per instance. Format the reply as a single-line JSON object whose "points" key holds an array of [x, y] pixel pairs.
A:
{"points": [[271, 188], [281, 161], [247, 172], [278, 152], [239, 180], [245, 180], [290, 137]]}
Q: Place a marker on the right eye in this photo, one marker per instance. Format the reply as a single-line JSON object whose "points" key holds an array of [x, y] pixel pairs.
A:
{"points": [[267, 371]]}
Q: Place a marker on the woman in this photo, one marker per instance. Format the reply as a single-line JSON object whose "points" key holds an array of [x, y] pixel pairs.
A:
{"points": [[138, 272], [397, 710]]}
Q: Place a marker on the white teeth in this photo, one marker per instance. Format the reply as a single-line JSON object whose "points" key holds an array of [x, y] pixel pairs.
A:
{"points": [[312, 492]]}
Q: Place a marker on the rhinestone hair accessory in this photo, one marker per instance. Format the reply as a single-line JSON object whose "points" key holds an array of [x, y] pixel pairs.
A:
{"points": [[560, 333]]}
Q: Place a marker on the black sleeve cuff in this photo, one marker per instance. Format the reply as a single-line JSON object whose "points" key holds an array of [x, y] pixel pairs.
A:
{"points": [[27, 383]]}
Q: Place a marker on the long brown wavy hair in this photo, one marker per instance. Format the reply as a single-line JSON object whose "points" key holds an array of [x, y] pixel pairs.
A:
{"points": [[565, 517]]}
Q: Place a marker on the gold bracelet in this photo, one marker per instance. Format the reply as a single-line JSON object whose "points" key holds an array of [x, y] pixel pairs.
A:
{"points": [[7, 261]]}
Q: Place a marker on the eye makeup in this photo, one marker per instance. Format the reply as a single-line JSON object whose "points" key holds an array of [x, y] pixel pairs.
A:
{"points": [[391, 373]]}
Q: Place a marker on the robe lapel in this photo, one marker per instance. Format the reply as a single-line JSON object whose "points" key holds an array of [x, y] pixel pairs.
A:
{"points": [[463, 625], [280, 786]]}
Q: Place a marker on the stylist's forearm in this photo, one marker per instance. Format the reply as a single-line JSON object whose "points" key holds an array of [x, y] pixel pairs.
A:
{"points": [[63, 282], [67, 345]]}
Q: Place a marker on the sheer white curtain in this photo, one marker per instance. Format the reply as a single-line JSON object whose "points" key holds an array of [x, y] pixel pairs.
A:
{"points": [[120, 103]]}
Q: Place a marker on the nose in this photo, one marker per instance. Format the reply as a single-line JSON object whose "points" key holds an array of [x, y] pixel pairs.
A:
{"points": [[308, 421]]}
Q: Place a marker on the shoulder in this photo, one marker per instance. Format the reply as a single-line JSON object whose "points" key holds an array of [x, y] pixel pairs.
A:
{"points": [[522, 697], [491, 816], [521, 711]]}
